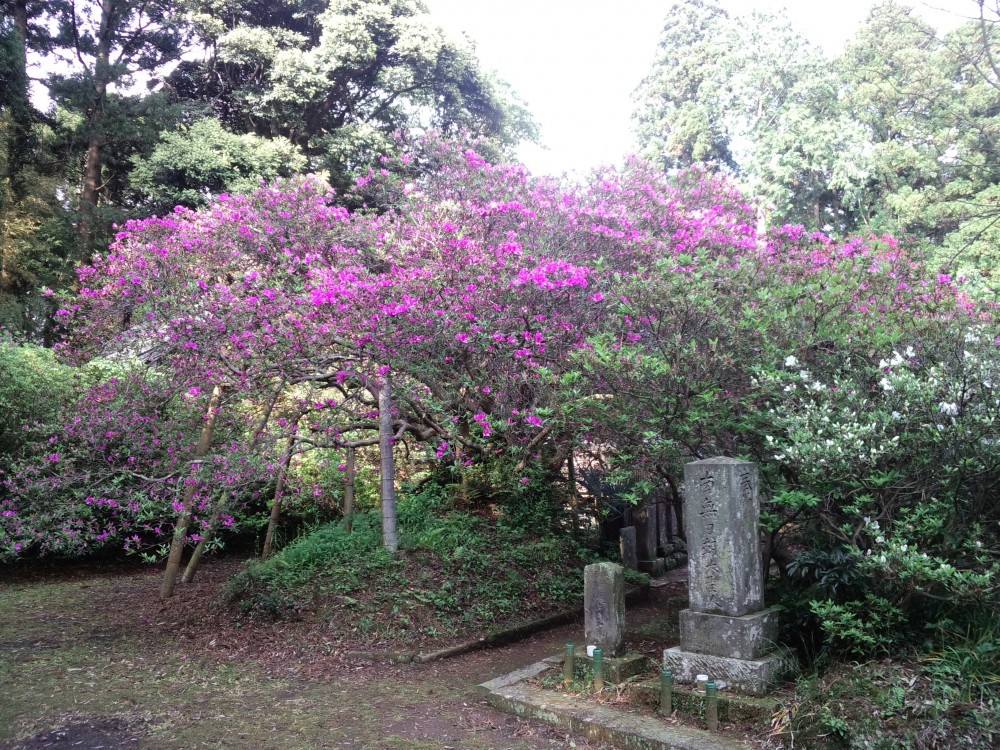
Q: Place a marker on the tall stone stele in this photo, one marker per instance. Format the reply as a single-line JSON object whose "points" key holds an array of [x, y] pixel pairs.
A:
{"points": [[726, 632]]}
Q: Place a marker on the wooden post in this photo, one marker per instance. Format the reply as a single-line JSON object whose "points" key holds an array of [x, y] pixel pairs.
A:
{"points": [[387, 466]]}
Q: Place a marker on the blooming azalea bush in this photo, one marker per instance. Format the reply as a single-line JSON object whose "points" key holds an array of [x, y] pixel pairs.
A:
{"points": [[113, 472], [636, 315]]}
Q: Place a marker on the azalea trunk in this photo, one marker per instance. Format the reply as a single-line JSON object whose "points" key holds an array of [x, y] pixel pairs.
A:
{"points": [[180, 529], [390, 539], [199, 549], [349, 491], [279, 490], [220, 508]]}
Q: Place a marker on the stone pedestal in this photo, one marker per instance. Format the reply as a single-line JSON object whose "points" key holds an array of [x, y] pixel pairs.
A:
{"points": [[604, 607], [726, 634], [747, 637], [752, 676]]}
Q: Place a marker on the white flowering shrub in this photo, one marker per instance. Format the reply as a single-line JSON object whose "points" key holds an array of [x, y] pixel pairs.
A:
{"points": [[900, 453]]}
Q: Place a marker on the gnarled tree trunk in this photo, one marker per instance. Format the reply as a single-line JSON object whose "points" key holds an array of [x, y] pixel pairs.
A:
{"points": [[180, 528], [279, 491]]}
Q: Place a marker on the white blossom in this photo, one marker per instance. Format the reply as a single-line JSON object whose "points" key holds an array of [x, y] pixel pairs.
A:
{"points": [[791, 361], [948, 407]]}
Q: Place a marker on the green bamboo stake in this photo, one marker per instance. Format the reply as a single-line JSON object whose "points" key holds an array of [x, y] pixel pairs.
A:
{"points": [[568, 665], [598, 670], [666, 692], [711, 707]]}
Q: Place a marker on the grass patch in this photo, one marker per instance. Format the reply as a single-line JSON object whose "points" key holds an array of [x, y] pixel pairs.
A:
{"points": [[456, 573]]}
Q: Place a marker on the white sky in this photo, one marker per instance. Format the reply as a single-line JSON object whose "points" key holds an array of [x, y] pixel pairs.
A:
{"points": [[577, 62]]}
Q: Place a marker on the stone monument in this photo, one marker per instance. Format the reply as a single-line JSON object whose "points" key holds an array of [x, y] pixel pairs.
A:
{"points": [[647, 538], [630, 555], [604, 621], [726, 632], [604, 607]]}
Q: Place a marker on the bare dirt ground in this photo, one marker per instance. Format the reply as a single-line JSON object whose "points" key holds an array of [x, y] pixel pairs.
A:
{"points": [[91, 658]]}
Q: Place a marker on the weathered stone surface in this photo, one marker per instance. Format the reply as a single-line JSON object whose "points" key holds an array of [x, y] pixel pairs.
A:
{"points": [[753, 676], [630, 556], [748, 637], [618, 668], [721, 518], [604, 607]]}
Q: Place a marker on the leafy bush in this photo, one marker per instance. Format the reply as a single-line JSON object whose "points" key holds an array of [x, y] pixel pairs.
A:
{"points": [[456, 572], [33, 389]]}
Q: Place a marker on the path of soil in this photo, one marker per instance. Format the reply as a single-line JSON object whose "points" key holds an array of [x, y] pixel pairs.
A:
{"points": [[92, 659]]}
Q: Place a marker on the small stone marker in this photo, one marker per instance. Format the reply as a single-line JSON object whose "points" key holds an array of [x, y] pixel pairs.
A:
{"points": [[630, 556], [604, 607], [726, 632]]}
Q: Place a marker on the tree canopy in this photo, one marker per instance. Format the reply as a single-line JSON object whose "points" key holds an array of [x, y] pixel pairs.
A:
{"points": [[154, 105], [894, 134]]}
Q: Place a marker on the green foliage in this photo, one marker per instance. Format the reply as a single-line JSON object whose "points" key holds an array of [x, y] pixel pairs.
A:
{"points": [[191, 165], [456, 571], [893, 134], [33, 388], [338, 78], [884, 705], [862, 627]]}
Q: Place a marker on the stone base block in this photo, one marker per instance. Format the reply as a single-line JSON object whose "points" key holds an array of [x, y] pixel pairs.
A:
{"points": [[752, 676], [655, 567], [748, 637], [618, 669], [733, 709]]}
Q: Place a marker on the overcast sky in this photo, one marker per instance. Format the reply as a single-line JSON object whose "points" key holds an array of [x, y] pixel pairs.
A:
{"points": [[577, 62]]}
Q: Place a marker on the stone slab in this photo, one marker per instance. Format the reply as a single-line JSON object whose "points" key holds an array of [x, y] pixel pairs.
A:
{"points": [[529, 672], [604, 607], [735, 709], [618, 669], [722, 519], [630, 554], [752, 676], [663, 528], [596, 721], [751, 636], [646, 533]]}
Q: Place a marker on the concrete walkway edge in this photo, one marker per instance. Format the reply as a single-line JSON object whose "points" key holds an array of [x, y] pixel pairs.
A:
{"points": [[512, 693]]}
